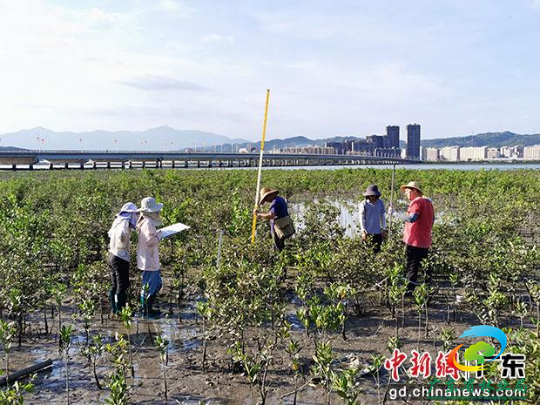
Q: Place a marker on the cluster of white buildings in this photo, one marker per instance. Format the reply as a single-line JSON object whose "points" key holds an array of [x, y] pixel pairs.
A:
{"points": [[480, 153]]}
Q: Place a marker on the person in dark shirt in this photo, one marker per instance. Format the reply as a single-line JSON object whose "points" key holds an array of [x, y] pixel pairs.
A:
{"points": [[278, 210]]}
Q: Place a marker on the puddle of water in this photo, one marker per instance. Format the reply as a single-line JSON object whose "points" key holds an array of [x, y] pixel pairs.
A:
{"points": [[349, 217]]}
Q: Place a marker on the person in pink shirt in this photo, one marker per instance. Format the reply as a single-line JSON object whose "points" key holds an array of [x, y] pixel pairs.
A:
{"points": [[148, 254], [417, 234]]}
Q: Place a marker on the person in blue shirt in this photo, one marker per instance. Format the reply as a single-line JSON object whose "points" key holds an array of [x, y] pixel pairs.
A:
{"points": [[373, 218], [278, 211]]}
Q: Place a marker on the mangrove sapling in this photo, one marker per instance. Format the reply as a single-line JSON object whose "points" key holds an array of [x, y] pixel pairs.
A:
{"points": [[323, 359], [396, 293], [163, 346], [374, 369], [454, 281], [7, 332], [65, 338], [16, 309], [521, 310], [420, 295], [344, 383], [87, 310], [447, 337], [203, 308], [127, 318], [58, 292], [95, 350], [393, 343], [338, 293], [14, 395], [293, 350], [117, 379]]}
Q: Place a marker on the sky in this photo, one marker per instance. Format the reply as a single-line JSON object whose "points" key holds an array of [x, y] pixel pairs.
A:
{"points": [[334, 68]]}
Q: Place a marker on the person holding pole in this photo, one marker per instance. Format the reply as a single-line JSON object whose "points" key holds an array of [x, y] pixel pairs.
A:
{"points": [[373, 218], [417, 234], [118, 260], [148, 254], [281, 225]]}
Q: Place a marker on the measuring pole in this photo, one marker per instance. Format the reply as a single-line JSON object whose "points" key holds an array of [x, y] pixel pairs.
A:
{"points": [[392, 199], [253, 229]]}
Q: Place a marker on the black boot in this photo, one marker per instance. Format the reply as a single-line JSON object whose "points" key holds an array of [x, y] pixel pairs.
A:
{"points": [[112, 300]]}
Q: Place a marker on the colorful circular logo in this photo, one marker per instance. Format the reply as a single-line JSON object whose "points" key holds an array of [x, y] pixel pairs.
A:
{"points": [[479, 350]]}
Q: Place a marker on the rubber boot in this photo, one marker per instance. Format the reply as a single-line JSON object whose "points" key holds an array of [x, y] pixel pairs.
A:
{"points": [[144, 306], [112, 301], [152, 313], [120, 302]]}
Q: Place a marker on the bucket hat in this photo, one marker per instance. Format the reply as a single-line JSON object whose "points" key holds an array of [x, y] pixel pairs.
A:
{"points": [[266, 192], [411, 184], [149, 204], [372, 190], [128, 207]]}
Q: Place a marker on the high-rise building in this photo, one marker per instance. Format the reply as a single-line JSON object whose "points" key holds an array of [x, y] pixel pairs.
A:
{"points": [[392, 137], [413, 141]]}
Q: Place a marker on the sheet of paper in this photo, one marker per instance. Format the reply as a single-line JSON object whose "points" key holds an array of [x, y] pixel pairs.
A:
{"points": [[173, 229]]}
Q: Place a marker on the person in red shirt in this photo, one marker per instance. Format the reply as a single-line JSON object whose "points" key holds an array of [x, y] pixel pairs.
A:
{"points": [[417, 235]]}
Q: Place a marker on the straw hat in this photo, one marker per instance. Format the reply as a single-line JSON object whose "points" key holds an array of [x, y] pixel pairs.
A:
{"points": [[266, 192], [149, 204], [372, 190], [411, 184]]}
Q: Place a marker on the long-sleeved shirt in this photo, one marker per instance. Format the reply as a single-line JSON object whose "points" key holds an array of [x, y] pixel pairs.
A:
{"points": [[120, 234], [147, 246], [372, 216]]}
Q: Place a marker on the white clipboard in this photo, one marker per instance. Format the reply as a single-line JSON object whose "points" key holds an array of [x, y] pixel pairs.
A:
{"points": [[173, 229]]}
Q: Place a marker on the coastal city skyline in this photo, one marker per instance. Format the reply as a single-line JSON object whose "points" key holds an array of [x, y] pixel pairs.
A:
{"points": [[337, 68]]}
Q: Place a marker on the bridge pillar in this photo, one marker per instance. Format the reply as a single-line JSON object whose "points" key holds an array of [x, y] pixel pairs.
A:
{"points": [[144, 165], [172, 164], [30, 166], [94, 165], [50, 166], [198, 163], [186, 164], [81, 166], [108, 165]]}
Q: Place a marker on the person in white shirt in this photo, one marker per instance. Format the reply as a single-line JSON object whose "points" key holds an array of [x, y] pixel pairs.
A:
{"points": [[148, 254], [373, 218], [118, 261]]}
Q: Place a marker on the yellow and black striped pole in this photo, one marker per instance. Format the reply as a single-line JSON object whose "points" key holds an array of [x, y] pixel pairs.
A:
{"points": [[253, 229]]}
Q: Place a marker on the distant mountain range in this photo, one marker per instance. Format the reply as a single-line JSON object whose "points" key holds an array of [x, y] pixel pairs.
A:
{"points": [[489, 139], [169, 139], [161, 138]]}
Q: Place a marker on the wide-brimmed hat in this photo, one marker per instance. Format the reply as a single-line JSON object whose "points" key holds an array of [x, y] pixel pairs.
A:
{"points": [[372, 190], [128, 207], [265, 192], [149, 204], [411, 184]]}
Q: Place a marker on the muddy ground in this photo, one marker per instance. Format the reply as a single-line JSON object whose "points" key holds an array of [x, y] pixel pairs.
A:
{"points": [[221, 384]]}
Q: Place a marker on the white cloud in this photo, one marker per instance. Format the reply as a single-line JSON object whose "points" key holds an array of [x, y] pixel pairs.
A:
{"points": [[218, 38]]}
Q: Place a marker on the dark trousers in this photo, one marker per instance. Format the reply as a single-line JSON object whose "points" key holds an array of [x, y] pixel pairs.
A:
{"points": [[415, 255], [375, 240], [119, 270], [279, 243]]}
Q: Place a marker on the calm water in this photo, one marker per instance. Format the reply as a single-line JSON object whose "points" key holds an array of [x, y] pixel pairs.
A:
{"points": [[437, 166]]}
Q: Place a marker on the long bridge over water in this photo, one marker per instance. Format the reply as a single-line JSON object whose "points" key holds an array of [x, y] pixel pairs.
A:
{"points": [[30, 160]]}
